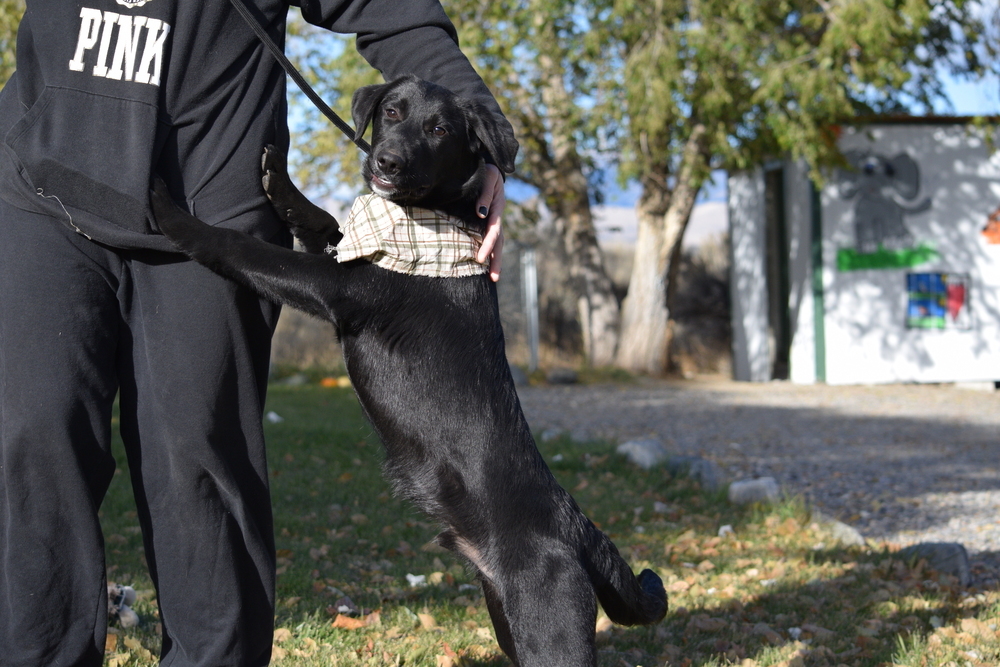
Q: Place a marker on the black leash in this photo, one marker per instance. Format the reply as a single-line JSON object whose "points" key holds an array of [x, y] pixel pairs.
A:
{"points": [[303, 85]]}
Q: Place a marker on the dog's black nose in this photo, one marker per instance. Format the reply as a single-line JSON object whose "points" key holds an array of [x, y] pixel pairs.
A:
{"points": [[389, 163]]}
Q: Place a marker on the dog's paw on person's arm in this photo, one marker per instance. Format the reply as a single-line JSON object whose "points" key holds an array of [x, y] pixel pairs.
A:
{"points": [[490, 205]]}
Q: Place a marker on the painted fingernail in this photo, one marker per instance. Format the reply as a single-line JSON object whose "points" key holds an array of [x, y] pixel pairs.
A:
{"points": [[483, 211]]}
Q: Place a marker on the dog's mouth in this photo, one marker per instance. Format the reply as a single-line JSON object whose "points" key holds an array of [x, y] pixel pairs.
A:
{"points": [[397, 192]]}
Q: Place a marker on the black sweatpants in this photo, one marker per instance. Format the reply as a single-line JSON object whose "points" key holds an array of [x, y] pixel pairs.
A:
{"points": [[187, 351]]}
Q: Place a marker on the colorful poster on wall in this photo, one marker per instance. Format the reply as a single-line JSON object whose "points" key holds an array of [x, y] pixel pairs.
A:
{"points": [[937, 301]]}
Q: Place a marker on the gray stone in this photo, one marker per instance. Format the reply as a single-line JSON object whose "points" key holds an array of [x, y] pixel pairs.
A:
{"points": [[977, 386], [346, 606], [562, 376], [520, 377], [841, 532], [845, 534], [701, 470], [945, 557], [644, 453], [295, 380], [747, 491]]}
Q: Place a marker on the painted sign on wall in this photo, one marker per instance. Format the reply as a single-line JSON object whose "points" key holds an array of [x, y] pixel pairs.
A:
{"points": [[911, 259]]}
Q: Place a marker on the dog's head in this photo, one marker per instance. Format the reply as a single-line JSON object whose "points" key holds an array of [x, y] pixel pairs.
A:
{"points": [[427, 143]]}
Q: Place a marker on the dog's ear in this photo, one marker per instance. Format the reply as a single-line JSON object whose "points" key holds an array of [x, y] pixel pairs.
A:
{"points": [[905, 175], [493, 138], [363, 104]]}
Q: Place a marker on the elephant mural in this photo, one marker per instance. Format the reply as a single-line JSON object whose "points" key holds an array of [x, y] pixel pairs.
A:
{"points": [[886, 190]]}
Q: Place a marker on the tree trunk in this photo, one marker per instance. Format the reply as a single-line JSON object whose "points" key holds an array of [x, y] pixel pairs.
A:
{"points": [[663, 217], [567, 194], [642, 347], [596, 302], [597, 308]]}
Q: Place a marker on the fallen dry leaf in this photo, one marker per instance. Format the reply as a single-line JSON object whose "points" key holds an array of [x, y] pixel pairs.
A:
{"points": [[348, 623], [817, 631], [277, 653], [110, 643], [707, 624], [427, 622], [678, 586], [310, 646], [282, 635], [769, 635], [976, 627]]}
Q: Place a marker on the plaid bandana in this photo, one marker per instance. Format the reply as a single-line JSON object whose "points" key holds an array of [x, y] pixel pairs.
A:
{"points": [[409, 240]]}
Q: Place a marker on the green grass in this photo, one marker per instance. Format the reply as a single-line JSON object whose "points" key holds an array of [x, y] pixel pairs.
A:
{"points": [[740, 599]]}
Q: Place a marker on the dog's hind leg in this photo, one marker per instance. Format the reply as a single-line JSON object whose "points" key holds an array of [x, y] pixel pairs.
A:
{"points": [[315, 228], [501, 626], [544, 615]]}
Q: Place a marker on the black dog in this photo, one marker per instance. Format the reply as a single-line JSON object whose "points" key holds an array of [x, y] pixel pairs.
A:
{"points": [[426, 357]]}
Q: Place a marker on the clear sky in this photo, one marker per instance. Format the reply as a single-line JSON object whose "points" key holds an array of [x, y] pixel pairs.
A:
{"points": [[979, 98]]}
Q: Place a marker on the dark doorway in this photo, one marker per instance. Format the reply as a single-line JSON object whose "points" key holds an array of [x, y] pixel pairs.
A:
{"points": [[779, 319]]}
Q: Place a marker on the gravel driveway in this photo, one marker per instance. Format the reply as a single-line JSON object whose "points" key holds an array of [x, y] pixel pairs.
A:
{"points": [[902, 463]]}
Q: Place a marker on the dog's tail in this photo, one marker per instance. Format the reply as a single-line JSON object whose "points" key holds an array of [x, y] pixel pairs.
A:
{"points": [[626, 598]]}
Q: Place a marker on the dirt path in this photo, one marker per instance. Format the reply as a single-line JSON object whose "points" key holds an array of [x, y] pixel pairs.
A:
{"points": [[905, 463]]}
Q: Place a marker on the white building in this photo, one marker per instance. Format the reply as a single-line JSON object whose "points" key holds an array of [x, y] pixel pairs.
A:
{"points": [[888, 273]]}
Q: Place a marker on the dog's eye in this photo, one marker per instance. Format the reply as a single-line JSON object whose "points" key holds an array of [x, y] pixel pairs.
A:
{"points": [[439, 131], [391, 113]]}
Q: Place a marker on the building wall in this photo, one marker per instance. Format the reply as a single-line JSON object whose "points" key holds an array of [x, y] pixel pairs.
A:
{"points": [[909, 286], [751, 348], [929, 227]]}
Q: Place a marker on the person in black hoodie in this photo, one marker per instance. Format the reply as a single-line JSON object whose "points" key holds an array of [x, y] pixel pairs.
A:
{"points": [[94, 303]]}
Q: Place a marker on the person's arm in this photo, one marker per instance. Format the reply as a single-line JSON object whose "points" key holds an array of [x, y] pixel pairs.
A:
{"points": [[399, 37]]}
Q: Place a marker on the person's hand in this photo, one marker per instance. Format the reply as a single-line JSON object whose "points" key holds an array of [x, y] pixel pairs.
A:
{"points": [[490, 205]]}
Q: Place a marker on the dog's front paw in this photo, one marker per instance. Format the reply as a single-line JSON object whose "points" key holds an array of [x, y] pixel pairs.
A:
{"points": [[277, 185]]}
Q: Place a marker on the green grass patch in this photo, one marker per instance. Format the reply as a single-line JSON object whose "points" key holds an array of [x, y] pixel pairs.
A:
{"points": [[774, 592]]}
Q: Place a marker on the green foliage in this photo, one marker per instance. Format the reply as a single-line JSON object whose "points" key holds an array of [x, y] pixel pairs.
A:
{"points": [[10, 16], [776, 77], [322, 157]]}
